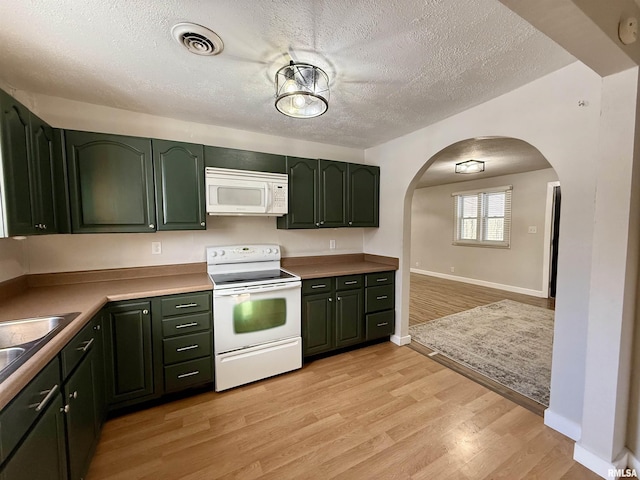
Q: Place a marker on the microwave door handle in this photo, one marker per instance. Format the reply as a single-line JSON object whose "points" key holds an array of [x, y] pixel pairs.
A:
{"points": [[267, 197]]}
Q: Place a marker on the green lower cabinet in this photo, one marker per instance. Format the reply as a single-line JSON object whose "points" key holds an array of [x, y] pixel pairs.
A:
{"points": [[349, 315], [317, 324], [42, 454], [129, 354]]}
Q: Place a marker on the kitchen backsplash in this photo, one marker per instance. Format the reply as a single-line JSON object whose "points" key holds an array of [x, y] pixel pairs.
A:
{"points": [[13, 261], [65, 253]]}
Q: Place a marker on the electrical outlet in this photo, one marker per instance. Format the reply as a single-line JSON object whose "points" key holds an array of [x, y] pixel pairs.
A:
{"points": [[156, 248], [533, 229], [417, 264], [453, 269], [332, 244]]}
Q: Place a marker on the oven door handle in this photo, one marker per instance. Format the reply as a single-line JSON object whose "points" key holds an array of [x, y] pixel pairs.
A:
{"points": [[257, 289]]}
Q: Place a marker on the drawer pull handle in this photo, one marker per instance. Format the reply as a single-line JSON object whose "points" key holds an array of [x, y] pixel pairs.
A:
{"points": [[50, 394], [190, 374], [187, 305], [86, 346], [351, 282], [318, 286], [384, 324], [381, 280], [381, 297], [190, 347], [186, 325]]}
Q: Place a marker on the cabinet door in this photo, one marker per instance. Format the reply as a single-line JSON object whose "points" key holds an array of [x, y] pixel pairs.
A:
{"points": [[179, 183], [14, 124], [303, 194], [81, 417], [129, 358], [364, 195], [317, 323], [333, 194], [42, 455], [42, 160], [349, 318], [110, 182]]}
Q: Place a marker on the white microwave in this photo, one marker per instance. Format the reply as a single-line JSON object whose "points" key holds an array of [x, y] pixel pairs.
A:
{"points": [[244, 192]]}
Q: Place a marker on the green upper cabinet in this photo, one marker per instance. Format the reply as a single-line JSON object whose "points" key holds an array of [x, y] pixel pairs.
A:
{"points": [[243, 160], [110, 183], [325, 193], [179, 184], [364, 195], [333, 194], [304, 182], [28, 165]]}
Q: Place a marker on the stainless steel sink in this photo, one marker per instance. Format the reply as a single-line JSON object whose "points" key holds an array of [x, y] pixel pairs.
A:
{"points": [[19, 332], [21, 339], [8, 355]]}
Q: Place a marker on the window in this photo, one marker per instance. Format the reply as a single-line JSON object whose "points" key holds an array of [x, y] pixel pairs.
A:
{"points": [[483, 217]]}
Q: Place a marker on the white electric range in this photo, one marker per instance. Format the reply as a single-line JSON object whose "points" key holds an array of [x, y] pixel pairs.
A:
{"points": [[256, 314]]}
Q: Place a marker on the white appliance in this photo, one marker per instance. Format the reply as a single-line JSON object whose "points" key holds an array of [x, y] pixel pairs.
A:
{"points": [[244, 192], [257, 326]]}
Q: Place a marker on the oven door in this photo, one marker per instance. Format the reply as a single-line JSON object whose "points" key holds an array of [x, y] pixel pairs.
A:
{"points": [[248, 316]]}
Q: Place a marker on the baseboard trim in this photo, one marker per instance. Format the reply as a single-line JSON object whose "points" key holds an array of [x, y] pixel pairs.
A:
{"points": [[398, 340], [482, 283], [633, 462], [561, 424], [598, 465]]}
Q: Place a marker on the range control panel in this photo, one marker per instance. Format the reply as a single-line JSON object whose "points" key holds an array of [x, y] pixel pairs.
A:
{"points": [[243, 254]]}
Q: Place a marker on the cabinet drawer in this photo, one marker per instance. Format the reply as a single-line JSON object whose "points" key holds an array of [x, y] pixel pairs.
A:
{"points": [[379, 298], [78, 346], [317, 285], [380, 324], [186, 347], [380, 278], [19, 415], [181, 304], [349, 282], [186, 324], [187, 374]]}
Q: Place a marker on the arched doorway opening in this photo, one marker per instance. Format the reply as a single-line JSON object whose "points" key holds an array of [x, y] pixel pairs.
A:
{"points": [[481, 261]]}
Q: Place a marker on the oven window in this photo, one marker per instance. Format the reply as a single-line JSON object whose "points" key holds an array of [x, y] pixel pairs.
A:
{"points": [[256, 315], [239, 196]]}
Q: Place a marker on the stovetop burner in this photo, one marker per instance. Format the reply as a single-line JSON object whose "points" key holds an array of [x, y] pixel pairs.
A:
{"points": [[249, 278]]}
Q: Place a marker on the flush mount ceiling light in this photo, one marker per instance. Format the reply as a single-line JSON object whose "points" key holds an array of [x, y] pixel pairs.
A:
{"points": [[470, 166], [302, 90], [197, 39]]}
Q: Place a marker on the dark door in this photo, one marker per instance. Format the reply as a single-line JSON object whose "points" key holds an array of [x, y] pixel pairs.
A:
{"points": [[317, 323], [303, 194], [333, 194], [42, 455], [364, 195], [81, 416], [110, 182], [179, 183], [129, 356], [14, 121], [349, 318], [555, 240], [42, 160]]}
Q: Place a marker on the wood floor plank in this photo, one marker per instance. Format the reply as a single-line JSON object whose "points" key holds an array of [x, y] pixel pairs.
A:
{"points": [[389, 413]]}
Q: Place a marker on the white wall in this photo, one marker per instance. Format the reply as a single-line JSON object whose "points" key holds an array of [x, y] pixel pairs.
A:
{"points": [[55, 253], [544, 113], [12, 259], [519, 267], [68, 253]]}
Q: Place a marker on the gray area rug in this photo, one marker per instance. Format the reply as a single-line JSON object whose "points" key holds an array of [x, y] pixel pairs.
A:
{"points": [[507, 341]]}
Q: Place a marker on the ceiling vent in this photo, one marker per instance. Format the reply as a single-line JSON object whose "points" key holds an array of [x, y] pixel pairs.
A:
{"points": [[197, 39]]}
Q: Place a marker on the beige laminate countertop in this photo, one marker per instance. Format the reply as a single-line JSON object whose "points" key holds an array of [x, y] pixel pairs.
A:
{"points": [[338, 265], [88, 299]]}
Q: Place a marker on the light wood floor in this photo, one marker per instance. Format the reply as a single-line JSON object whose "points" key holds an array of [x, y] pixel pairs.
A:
{"points": [[381, 412], [432, 297]]}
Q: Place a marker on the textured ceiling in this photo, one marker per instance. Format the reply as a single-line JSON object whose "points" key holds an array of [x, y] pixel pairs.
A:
{"points": [[395, 66], [502, 156]]}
